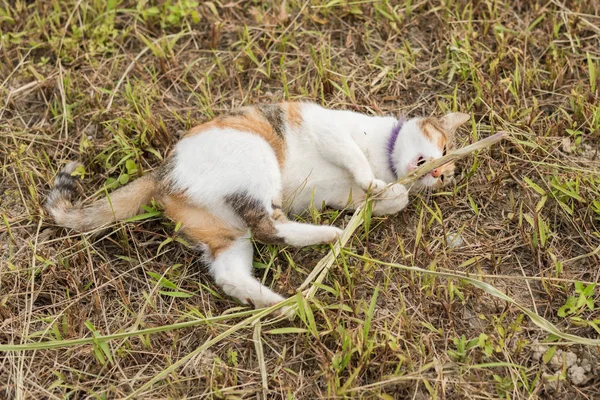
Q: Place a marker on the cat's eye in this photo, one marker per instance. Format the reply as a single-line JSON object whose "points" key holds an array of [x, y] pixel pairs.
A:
{"points": [[444, 151], [420, 161]]}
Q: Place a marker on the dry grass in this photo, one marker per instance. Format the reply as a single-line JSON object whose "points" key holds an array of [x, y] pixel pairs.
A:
{"points": [[114, 83]]}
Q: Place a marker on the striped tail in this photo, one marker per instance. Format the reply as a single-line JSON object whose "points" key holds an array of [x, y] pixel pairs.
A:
{"points": [[123, 203]]}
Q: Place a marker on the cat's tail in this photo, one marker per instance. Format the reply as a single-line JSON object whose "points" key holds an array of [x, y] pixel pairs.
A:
{"points": [[123, 203]]}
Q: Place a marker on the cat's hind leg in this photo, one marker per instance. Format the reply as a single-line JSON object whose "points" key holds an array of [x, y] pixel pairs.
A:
{"points": [[232, 271], [228, 251], [269, 224]]}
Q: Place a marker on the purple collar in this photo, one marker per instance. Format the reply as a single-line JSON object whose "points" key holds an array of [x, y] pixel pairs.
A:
{"points": [[392, 144]]}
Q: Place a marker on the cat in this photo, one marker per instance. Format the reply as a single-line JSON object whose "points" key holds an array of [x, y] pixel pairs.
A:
{"points": [[235, 177]]}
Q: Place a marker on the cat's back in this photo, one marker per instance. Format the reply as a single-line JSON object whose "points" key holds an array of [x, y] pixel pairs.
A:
{"points": [[320, 120]]}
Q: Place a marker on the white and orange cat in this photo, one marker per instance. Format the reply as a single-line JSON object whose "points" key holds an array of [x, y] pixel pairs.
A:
{"points": [[231, 179]]}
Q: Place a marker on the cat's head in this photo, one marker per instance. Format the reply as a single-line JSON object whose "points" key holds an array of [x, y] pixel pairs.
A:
{"points": [[423, 139]]}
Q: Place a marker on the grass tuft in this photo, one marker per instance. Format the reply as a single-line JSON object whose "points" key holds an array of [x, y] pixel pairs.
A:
{"points": [[487, 288]]}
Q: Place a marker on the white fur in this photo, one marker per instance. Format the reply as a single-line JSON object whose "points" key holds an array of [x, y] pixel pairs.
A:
{"points": [[298, 234], [222, 162], [333, 157], [336, 155], [232, 270], [392, 201], [412, 144]]}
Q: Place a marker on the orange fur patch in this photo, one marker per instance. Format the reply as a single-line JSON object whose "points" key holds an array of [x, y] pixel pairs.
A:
{"points": [[248, 120], [434, 132], [293, 113], [279, 215], [201, 225]]}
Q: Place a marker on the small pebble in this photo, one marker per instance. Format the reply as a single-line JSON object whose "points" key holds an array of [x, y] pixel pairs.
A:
{"points": [[454, 240], [566, 145]]}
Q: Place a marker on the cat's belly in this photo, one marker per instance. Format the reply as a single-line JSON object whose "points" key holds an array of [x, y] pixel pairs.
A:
{"points": [[320, 184]]}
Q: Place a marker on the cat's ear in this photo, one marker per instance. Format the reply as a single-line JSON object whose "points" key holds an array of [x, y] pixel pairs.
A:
{"points": [[451, 121]]}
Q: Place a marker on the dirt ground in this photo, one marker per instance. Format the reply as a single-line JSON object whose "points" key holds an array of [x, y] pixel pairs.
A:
{"points": [[132, 313]]}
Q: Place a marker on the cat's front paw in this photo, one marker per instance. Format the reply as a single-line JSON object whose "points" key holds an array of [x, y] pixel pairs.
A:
{"points": [[397, 191], [369, 183], [377, 185], [393, 200]]}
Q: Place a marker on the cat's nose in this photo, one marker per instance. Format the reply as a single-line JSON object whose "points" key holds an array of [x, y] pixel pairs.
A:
{"points": [[436, 172]]}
